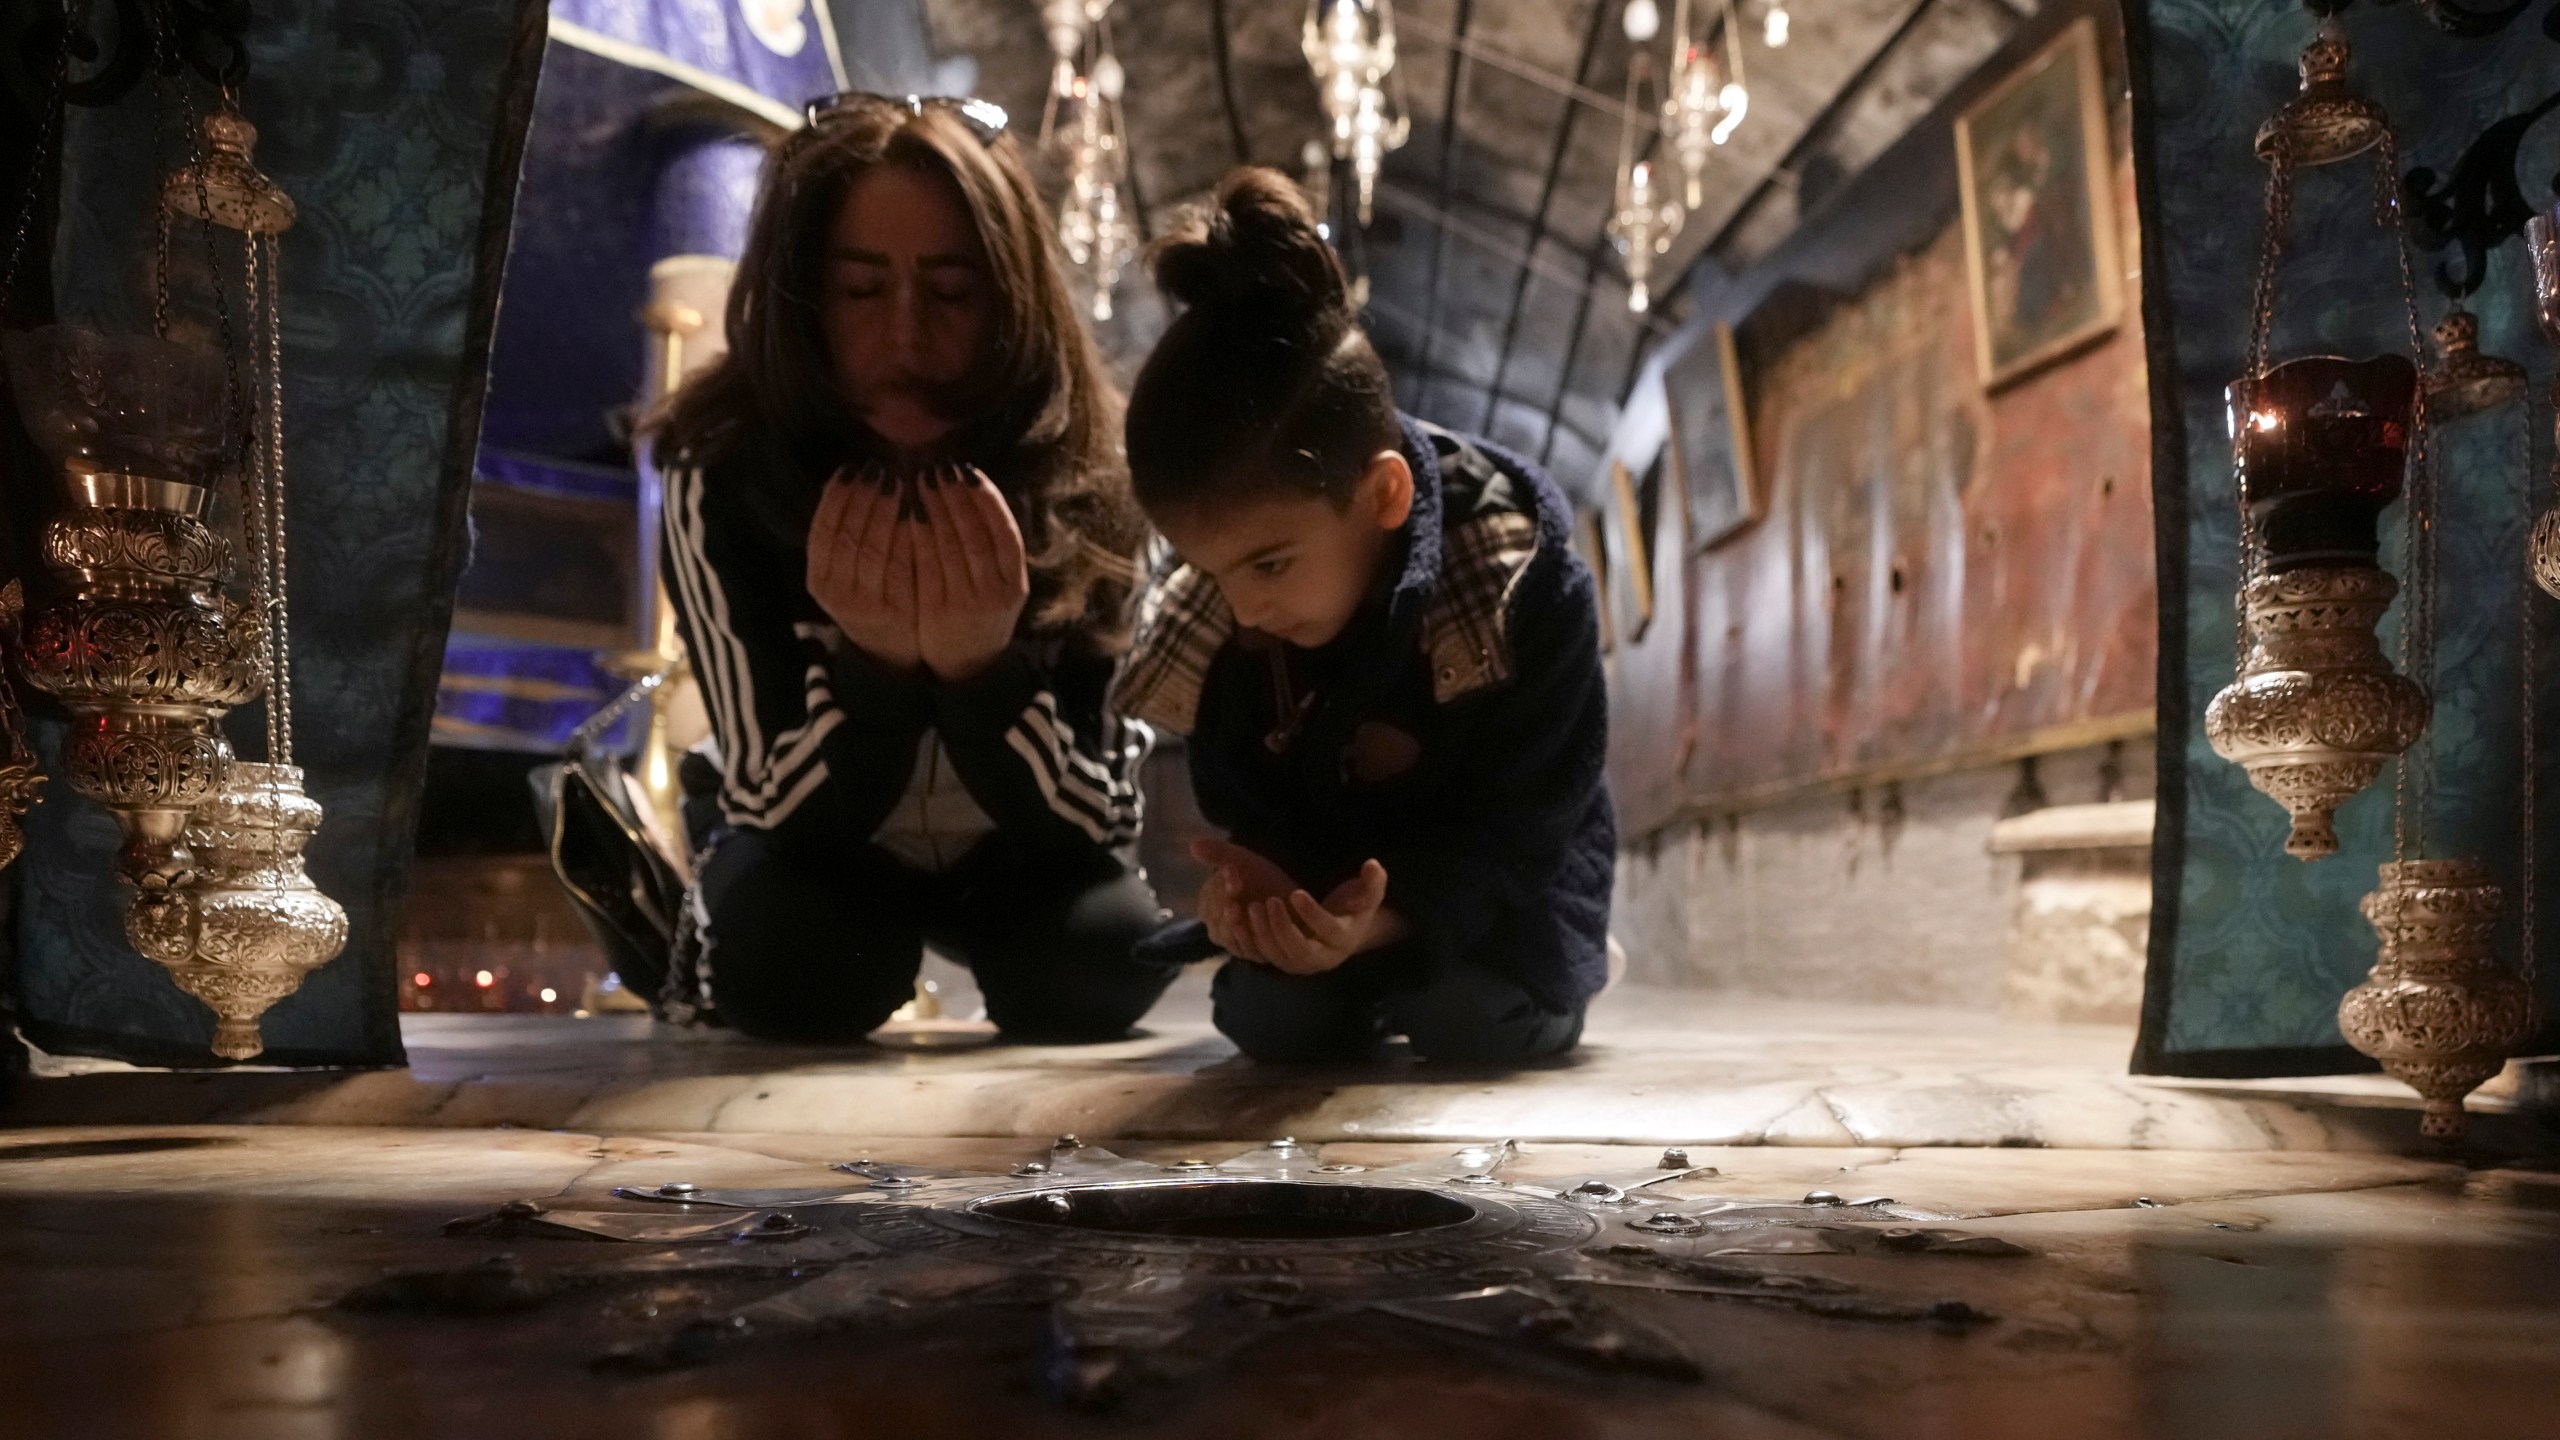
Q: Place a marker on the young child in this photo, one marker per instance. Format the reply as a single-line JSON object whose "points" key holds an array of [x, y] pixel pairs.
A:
{"points": [[1386, 656]]}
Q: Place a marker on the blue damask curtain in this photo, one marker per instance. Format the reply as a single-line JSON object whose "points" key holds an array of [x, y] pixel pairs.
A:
{"points": [[2251, 949], [396, 125]]}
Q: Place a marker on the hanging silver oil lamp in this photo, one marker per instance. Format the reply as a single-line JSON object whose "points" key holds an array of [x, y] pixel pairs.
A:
{"points": [[133, 636], [249, 924], [2440, 1011], [243, 933], [2321, 446], [2316, 709]]}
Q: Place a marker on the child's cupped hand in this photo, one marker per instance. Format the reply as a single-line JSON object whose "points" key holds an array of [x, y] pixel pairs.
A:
{"points": [[1254, 911]]}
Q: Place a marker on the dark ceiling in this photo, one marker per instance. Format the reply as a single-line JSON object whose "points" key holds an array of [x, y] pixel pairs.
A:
{"points": [[1496, 297]]}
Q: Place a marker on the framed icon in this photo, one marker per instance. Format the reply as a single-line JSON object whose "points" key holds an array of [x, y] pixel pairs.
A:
{"points": [[1711, 438], [2038, 181]]}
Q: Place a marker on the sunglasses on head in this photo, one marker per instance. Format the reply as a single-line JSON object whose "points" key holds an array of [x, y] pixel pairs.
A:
{"points": [[985, 119]]}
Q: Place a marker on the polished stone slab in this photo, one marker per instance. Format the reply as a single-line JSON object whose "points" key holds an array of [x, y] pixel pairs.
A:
{"points": [[198, 1282], [1659, 1067]]}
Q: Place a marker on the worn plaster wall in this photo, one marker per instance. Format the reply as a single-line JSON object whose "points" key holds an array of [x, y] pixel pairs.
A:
{"points": [[1886, 894], [1942, 573], [1974, 582]]}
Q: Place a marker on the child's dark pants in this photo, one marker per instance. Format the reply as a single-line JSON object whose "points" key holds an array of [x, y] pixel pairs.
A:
{"points": [[1466, 1013]]}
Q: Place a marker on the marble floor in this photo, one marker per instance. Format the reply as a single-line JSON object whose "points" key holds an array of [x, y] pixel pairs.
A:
{"points": [[1658, 1067], [300, 1282]]}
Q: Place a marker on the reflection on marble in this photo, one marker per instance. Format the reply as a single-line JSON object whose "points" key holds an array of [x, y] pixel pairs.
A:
{"points": [[1658, 1067], [180, 1282]]}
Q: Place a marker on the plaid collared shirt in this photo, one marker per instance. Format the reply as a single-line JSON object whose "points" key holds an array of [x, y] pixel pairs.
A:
{"points": [[1183, 622]]}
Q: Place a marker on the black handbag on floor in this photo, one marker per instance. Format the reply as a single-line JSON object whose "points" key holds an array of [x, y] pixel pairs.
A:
{"points": [[630, 895]]}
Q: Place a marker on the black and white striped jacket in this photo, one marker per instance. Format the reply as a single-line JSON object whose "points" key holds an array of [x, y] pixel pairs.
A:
{"points": [[818, 743]]}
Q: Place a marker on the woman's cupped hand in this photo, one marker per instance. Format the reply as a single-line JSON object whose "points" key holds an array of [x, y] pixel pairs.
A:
{"points": [[928, 572]]}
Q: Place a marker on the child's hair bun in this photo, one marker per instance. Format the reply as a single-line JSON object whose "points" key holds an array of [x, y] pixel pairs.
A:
{"points": [[1253, 251]]}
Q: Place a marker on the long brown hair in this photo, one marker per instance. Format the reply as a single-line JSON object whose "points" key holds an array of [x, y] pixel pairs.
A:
{"points": [[1046, 425]]}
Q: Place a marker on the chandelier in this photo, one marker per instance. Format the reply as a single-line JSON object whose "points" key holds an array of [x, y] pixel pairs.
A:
{"points": [[1094, 229], [1071, 25], [1641, 225], [1351, 46], [1705, 105]]}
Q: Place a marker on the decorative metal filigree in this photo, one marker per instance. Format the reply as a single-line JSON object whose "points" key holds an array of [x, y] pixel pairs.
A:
{"points": [[2327, 122], [1351, 47], [2439, 1011], [2322, 445], [2479, 205], [2317, 710], [251, 924], [21, 780], [2465, 381], [2542, 245], [146, 654]]}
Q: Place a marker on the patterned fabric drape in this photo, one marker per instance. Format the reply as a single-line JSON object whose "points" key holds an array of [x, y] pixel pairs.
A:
{"points": [[396, 125], [2251, 949]]}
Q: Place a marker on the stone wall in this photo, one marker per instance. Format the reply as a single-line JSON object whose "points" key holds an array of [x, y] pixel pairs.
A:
{"points": [[1890, 893]]}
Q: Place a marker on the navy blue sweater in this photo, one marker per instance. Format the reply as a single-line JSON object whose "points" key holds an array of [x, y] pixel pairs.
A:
{"points": [[1478, 784]]}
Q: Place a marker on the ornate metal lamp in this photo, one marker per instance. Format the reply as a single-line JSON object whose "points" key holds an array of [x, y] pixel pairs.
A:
{"points": [[1643, 228], [1707, 97], [1641, 225], [243, 934], [2321, 446], [134, 637], [1093, 228], [2316, 709], [1351, 47], [2542, 241], [2440, 1011], [249, 925], [21, 780]]}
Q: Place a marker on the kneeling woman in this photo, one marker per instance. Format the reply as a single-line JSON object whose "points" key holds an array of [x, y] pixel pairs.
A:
{"points": [[900, 546], [1387, 657]]}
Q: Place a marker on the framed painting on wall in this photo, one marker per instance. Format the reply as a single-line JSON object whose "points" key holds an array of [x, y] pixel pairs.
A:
{"points": [[1711, 438], [2038, 182], [1587, 539], [1630, 591]]}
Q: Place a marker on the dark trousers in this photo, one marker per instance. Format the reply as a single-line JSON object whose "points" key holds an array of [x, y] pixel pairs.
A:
{"points": [[825, 951], [1465, 1013]]}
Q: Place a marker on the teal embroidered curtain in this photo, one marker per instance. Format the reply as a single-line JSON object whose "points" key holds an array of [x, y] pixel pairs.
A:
{"points": [[396, 125], [2251, 949]]}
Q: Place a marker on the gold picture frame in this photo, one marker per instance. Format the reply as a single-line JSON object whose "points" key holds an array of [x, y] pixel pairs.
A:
{"points": [[1595, 558], [1711, 439], [2037, 177], [1631, 566]]}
